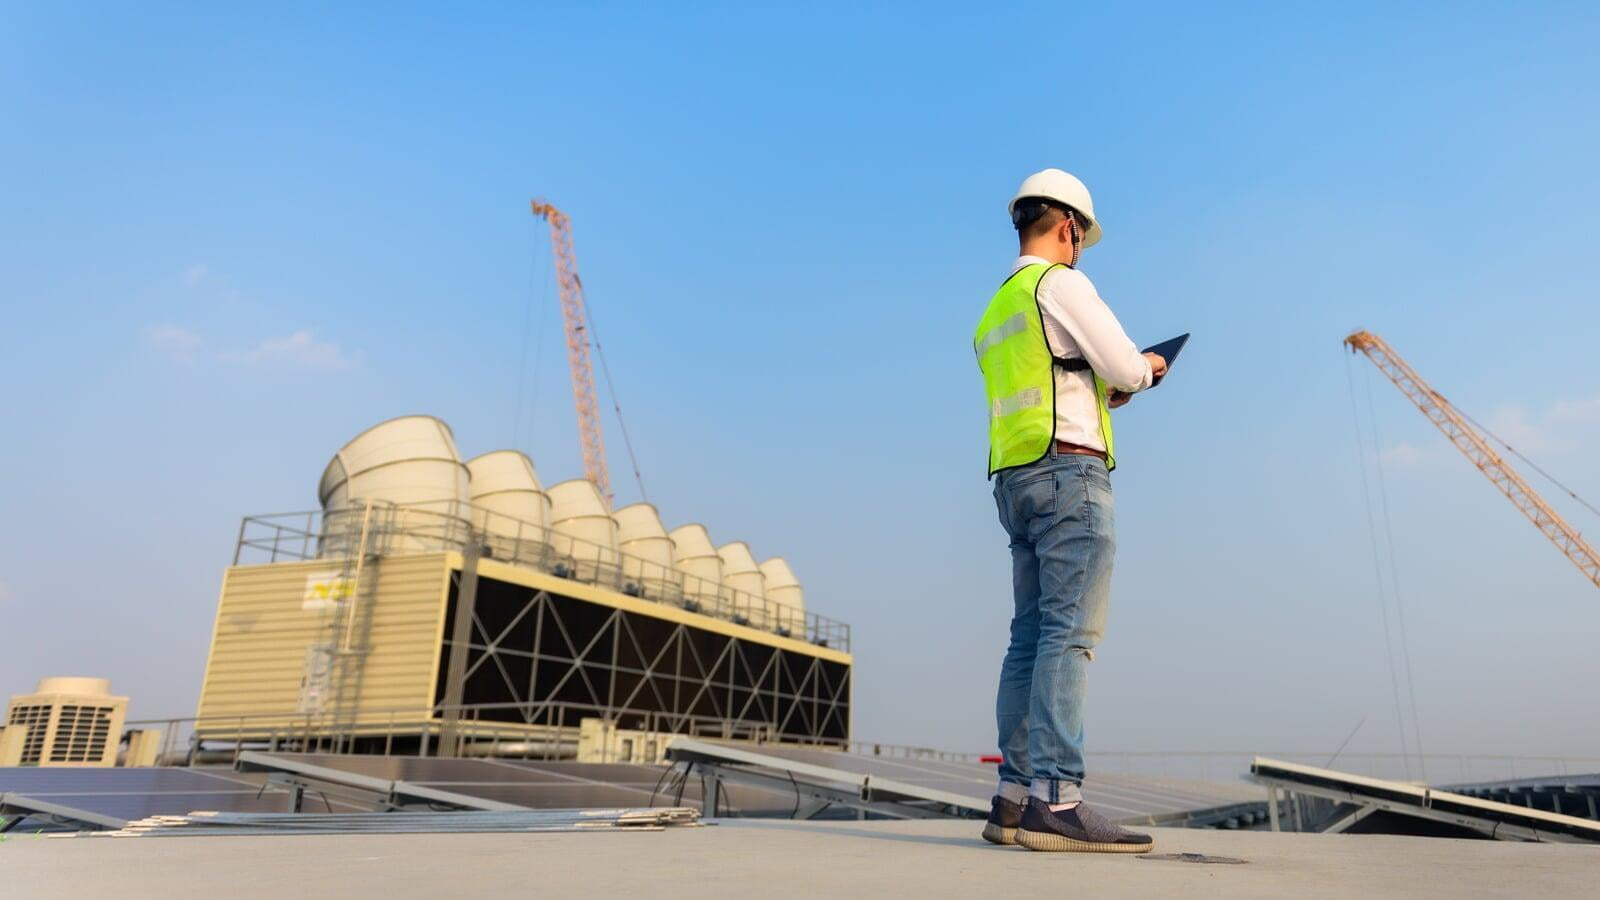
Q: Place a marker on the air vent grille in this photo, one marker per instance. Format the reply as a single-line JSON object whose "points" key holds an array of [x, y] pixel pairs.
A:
{"points": [[37, 718], [81, 734]]}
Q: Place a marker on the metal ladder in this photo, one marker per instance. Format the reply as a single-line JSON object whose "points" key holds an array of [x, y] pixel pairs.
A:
{"points": [[346, 631]]}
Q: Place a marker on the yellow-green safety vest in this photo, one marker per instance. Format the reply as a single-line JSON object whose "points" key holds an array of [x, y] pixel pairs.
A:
{"points": [[1019, 375]]}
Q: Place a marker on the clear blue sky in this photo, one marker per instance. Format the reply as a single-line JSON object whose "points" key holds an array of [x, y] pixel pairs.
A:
{"points": [[230, 240]]}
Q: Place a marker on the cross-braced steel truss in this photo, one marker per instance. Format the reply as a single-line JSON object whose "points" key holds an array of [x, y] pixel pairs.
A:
{"points": [[543, 658]]}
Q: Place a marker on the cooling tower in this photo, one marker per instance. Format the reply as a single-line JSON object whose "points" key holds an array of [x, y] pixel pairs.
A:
{"points": [[785, 595], [509, 507], [743, 585], [66, 722], [696, 557], [648, 553], [584, 532], [411, 462]]}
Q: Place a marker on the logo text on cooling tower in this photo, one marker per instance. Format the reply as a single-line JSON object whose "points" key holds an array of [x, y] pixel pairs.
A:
{"points": [[325, 590]]}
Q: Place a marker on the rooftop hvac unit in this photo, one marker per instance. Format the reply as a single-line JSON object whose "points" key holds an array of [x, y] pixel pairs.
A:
{"points": [[144, 748], [743, 585], [601, 741], [648, 553], [584, 533], [788, 600], [411, 462], [510, 508], [68, 722], [696, 557]]}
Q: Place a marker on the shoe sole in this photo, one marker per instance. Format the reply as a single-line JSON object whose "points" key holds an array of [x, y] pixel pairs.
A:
{"points": [[997, 834], [1044, 841]]}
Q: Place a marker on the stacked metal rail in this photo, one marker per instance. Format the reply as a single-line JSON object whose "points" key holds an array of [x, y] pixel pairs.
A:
{"points": [[406, 822]]}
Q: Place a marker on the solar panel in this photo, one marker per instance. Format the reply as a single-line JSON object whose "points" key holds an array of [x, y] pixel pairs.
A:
{"points": [[544, 786], [121, 795], [825, 781], [1499, 820], [1132, 798], [967, 785], [527, 784], [1573, 795], [971, 785], [110, 797], [1589, 781]]}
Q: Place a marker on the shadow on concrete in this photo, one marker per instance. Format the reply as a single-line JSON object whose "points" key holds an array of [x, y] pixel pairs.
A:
{"points": [[810, 828]]}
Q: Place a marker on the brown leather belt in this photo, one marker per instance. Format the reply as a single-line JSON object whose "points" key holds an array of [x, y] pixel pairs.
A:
{"points": [[1079, 449]]}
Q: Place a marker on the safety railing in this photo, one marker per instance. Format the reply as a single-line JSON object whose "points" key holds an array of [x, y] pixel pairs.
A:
{"points": [[547, 731], [552, 731], [908, 751], [451, 525], [1438, 769]]}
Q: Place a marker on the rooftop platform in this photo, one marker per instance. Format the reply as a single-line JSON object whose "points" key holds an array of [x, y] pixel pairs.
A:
{"points": [[788, 859]]}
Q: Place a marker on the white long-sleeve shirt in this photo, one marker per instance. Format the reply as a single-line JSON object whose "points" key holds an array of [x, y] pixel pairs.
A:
{"points": [[1078, 323]]}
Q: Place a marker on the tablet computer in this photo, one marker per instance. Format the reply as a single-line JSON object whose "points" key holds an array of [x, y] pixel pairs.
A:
{"points": [[1167, 350]]}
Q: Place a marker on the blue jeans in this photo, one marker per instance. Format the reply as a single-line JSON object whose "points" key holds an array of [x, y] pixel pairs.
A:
{"points": [[1059, 515]]}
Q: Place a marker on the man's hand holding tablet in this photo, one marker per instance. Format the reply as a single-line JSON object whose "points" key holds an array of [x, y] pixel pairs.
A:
{"points": [[1161, 357]]}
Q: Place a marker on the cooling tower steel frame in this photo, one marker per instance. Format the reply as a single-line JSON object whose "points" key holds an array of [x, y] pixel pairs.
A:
{"points": [[540, 643], [545, 652]]}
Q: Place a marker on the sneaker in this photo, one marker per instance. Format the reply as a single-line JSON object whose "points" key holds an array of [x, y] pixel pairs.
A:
{"points": [[1079, 828], [1004, 816]]}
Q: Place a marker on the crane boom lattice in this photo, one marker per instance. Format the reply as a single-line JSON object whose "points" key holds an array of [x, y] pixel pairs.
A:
{"points": [[575, 317], [1467, 439]]}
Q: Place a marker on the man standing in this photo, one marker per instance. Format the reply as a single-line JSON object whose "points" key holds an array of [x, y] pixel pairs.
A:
{"points": [[1055, 361]]}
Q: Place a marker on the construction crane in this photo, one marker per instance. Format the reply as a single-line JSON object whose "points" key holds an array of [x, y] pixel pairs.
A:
{"points": [[1458, 429], [576, 318]]}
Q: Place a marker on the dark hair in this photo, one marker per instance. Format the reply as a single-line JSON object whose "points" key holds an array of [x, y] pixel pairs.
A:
{"points": [[1035, 216]]}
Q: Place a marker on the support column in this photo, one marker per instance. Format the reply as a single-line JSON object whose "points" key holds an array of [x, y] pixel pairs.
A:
{"points": [[460, 640], [712, 800]]}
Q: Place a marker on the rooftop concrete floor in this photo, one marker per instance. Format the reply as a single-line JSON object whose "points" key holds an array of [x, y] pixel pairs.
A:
{"points": [[775, 859]]}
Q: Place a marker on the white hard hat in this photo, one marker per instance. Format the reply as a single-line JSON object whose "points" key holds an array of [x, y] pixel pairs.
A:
{"points": [[1054, 184]]}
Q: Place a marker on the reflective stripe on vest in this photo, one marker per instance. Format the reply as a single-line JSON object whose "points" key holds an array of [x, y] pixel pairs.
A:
{"points": [[1019, 374], [1017, 324]]}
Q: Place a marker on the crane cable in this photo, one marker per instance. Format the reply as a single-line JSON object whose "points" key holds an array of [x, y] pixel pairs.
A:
{"points": [[1389, 537], [1394, 572], [611, 389], [1377, 565]]}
